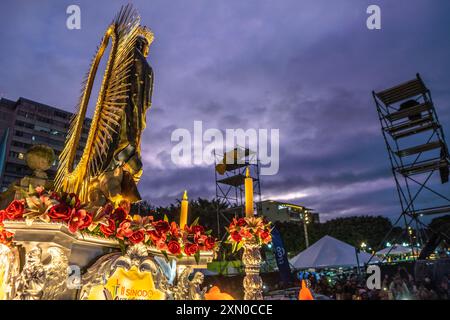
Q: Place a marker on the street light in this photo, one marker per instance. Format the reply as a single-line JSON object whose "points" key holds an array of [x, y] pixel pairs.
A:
{"points": [[363, 245], [305, 229]]}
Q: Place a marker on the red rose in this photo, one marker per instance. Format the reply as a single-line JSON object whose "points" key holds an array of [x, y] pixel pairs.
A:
{"points": [[161, 245], [60, 212], [200, 239], [15, 210], [2, 215], [210, 243], [236, 236], [174, 247], [137, 237], [197, 229], [124, 230], [87, 221], [119, 214], [161, 226], [190, 248], [264, 235], [109, 229], [241, 222], [79, 220]]}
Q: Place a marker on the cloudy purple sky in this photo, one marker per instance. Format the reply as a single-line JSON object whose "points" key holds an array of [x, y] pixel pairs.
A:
{"points": [[304, 67]]}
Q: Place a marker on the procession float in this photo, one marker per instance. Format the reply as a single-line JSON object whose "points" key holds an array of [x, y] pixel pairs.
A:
{"points": [[75, 237]]}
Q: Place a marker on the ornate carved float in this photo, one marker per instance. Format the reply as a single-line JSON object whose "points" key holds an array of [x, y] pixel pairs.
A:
{"points": [[47, 261]]}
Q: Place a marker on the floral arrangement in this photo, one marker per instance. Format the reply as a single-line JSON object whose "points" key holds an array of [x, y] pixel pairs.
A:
{"points": [[248, 229], [107, 221]]}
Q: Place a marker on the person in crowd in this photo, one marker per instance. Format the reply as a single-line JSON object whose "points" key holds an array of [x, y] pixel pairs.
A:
{"points": [[399, 289], [443, 289]]}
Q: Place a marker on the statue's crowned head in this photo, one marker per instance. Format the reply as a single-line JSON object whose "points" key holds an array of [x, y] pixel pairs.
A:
{"points": [[144, 40]]}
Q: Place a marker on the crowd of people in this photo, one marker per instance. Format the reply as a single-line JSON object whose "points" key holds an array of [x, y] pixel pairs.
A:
{"points": [[399, 286]]}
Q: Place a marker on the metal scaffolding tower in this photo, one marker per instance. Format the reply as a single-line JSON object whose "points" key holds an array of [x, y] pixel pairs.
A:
{"points": [[417, 151], [229, 173]]}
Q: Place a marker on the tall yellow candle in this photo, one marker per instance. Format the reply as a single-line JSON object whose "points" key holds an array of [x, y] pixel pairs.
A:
{"points": [[248, 194], [184, 210]]}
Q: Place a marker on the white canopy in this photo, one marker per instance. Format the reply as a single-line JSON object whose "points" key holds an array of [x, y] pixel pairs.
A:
{"points": [[329, 252], [394, 250]]}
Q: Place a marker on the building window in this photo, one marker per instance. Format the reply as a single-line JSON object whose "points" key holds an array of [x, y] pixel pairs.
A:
{"points": [[43, 119], [21, 145], [42, 129], [24, 124], [62, 114], [25, 114]]}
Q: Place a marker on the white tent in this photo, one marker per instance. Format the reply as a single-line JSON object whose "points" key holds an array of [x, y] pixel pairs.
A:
{"points": [[394, 250], [329, 252]]}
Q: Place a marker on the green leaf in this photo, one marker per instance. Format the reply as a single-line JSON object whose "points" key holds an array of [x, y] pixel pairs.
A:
{"points": [[208, 232], [30, 189], [22, 191], [122, 246], [166, 218], [195, 222], [197, 257], [239, 246], [234, 247], [165, 255]]}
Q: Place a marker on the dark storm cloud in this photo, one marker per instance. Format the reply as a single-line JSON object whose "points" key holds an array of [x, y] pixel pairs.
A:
{"points": [[304, 67]]}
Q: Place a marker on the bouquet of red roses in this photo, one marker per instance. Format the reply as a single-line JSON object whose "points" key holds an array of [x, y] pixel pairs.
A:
{"points": [[170, 238], [109, 222], [247, 229], [42, 205]]}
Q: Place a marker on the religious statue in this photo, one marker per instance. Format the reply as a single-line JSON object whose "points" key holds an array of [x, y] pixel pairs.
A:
{"points": [[195, 290], [110, 165], [186, 289], [39, 281], [31, 281]]}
